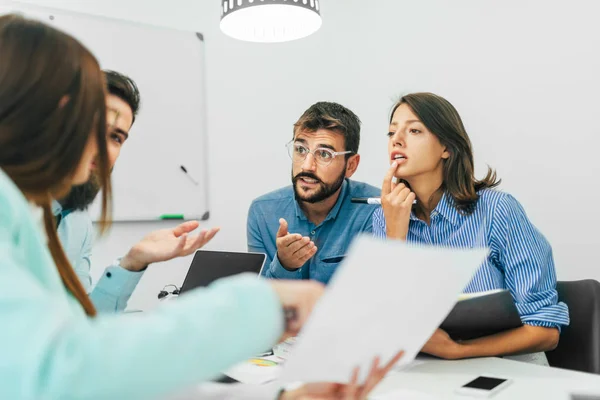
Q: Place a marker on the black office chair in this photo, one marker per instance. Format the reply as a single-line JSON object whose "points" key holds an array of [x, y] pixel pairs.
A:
{"points": [[579, 345]]}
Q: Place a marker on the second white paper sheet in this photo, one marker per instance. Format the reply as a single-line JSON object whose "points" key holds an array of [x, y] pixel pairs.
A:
{"points": [[386, 296]]}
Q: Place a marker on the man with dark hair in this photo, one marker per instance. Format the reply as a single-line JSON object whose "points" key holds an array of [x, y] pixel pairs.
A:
{"points": [[75, 228], [122, 106], [317, 207]]}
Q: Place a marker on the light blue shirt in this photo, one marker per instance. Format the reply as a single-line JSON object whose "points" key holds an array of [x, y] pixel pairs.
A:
{"points": [[520, 258], [51, 350], [332, 237], [115, 287]]}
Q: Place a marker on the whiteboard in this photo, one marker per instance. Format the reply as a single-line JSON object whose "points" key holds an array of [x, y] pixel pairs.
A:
{"points": [[170, 129]]}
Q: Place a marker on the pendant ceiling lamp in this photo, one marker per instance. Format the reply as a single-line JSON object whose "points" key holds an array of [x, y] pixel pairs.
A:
{"points": [[270, 20]]}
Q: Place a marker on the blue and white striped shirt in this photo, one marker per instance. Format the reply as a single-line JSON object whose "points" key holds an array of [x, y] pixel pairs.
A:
{"points": [[520, 258]]}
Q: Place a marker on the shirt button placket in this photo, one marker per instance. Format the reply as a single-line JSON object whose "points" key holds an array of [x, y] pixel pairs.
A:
{"points": [[431, 227]]}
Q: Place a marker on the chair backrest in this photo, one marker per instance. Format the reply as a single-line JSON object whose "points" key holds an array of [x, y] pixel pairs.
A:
{"points": [[579, 345]]}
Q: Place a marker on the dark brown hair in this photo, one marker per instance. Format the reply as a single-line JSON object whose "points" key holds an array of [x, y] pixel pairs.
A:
{"points": [[52, 98], [335, 117], [124, 88], [441, 119]]}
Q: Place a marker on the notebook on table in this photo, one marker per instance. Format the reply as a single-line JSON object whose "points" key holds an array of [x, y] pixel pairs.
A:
{"points": [[482, 314]]}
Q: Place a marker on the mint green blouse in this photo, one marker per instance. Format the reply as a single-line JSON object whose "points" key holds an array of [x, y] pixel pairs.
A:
{"points": [[49, 348]]}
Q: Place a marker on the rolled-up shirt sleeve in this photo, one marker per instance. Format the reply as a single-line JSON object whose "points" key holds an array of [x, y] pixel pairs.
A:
{"points": [[526, 258]]}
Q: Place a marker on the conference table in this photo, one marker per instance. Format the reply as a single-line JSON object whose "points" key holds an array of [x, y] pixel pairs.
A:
{"points": [[440, 379], [429, 379]]}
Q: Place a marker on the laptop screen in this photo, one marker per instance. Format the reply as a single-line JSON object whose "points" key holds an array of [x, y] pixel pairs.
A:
{"points": [[208, 266]]}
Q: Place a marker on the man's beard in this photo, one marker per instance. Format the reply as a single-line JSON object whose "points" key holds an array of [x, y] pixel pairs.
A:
{"points": [[82, 196], [324, 192]]}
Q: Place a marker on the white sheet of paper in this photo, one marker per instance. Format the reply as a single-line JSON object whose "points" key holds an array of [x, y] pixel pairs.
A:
{"points": [[256, 371], [386, 296]]}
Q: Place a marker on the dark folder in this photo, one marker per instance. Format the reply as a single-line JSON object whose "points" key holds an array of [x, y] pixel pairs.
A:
{"points": [[482, 315]]}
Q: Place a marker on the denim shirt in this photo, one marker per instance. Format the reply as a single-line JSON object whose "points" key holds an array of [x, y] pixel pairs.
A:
{"points": [[332, 237]]}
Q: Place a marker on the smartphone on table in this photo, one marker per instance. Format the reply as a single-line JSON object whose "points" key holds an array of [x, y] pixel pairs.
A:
{"points": [[483, 386]]}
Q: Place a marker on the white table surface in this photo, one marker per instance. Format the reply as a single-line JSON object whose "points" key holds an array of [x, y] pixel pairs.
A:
{"points": [[439, 379]]}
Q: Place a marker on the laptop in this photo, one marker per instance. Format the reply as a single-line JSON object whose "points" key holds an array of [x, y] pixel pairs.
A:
{"points": [[208, 266]]}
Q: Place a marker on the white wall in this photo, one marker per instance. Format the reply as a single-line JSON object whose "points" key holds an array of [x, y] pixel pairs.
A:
{"points": [[523, 74]]}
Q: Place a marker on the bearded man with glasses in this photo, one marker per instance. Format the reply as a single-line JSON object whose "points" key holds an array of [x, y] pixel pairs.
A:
{"points": [[305, 229]]}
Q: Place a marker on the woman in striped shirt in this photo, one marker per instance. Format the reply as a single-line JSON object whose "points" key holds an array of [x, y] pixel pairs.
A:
{"points": [[432, 161]]}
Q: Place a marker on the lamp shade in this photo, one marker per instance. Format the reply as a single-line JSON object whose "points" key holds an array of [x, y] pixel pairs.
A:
{"points": [[270, 20]]}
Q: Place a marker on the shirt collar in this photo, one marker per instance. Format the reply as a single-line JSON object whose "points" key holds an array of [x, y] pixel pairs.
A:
{"points": [[445, 208], [334, 211], [56, 207]]}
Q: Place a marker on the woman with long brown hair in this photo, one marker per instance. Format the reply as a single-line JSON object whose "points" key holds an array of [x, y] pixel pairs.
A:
{"points": [[52, 133], [432, 162]]}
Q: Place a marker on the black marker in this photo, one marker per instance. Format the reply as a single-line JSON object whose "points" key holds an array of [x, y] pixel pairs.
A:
{"points": [[188, 175], [366, 200], [369, 200]]}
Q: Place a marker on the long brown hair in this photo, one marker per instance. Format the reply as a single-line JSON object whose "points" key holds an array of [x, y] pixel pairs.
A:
{"points": [[52, 98], [441, 119]]}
